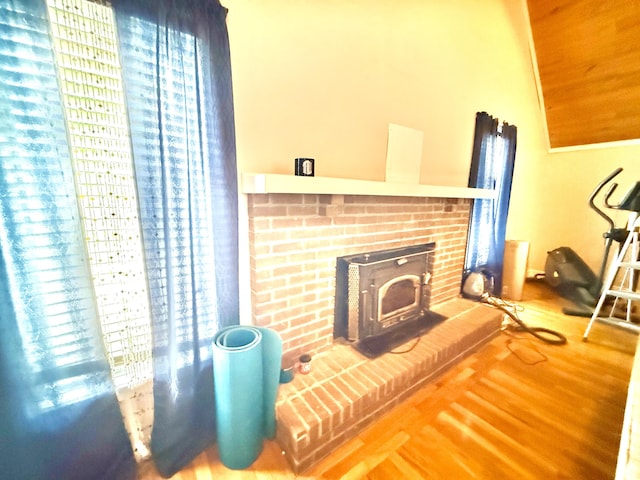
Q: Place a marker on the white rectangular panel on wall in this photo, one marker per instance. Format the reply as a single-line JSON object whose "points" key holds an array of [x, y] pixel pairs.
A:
{"points": [[404, 154]]}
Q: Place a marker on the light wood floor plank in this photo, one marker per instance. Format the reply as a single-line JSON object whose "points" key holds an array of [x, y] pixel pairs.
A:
{"points": [[433, 455]]}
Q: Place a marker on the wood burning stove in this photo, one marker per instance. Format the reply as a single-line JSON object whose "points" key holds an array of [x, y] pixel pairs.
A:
{"points": [[382, 297]]}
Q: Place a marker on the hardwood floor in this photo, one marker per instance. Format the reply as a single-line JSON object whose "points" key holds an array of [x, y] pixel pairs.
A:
{"points": [[518, 408]]}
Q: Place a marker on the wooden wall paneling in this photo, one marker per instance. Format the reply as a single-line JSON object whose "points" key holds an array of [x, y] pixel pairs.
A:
{"points": [[588, 54]]}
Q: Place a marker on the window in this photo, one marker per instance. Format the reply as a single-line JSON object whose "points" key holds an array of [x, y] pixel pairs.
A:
{"points": [[492, 165], [90, 79], [484, 231], [118, 211]]}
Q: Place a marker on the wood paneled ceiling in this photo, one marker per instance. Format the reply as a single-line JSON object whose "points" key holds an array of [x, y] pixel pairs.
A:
{"points": [[588, 54]]}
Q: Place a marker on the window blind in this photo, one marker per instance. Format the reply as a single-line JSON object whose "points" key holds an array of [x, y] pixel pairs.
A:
{"points": [[39, 221]]}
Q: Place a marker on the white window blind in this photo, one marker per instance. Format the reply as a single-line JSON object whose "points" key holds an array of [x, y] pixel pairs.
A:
{"points": [[41, 253]]}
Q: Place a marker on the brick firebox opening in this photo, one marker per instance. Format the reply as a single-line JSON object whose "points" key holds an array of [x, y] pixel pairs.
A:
{"points": [[294, 240]]}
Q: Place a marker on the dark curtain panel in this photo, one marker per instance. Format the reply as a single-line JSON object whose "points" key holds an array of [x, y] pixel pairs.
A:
{"points": [[59, 416], [492, 164], [176, 61]]}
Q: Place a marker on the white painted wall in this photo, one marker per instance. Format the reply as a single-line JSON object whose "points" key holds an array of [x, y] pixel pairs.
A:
{"points": [[560, 212], [324, 78]]}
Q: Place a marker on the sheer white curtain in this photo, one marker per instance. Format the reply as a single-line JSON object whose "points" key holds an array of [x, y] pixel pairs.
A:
{"points": [[90, 78], [175, 55]]}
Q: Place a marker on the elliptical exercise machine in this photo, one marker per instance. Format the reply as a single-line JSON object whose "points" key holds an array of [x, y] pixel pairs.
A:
{"points": [[568, 274]]}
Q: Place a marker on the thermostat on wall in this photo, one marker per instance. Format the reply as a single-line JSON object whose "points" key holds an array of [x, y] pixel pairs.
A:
{"points": [[304, 167]]}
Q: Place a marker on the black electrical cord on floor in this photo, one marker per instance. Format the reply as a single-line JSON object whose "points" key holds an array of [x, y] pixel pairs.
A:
{"points": [[554, 338], [415, 344]]}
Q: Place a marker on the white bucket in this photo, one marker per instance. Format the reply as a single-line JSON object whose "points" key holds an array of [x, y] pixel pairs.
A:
{"points": [[514, 270]]}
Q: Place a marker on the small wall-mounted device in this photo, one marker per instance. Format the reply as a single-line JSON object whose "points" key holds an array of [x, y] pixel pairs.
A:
{"points": [[304, 167]]}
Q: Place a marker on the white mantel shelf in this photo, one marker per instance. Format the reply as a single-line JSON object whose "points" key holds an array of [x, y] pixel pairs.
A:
{"points": [[279, 183]]}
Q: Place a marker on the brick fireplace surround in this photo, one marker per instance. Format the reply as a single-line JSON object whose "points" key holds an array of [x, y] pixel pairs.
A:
{"points": [[294, 240]]}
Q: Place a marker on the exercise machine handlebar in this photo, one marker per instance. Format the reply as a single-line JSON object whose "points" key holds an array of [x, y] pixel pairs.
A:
{"points": [[597, 190]]}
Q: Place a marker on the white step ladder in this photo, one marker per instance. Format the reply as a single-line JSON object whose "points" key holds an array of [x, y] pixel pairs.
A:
{"points": [[627, 263]]}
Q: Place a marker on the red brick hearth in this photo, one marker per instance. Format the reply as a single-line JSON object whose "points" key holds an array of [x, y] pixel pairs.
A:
{"points": [[345, 391]]}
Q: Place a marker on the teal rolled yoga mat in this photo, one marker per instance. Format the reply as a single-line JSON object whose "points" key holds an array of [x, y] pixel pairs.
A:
{"points": [[246, 374]]}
